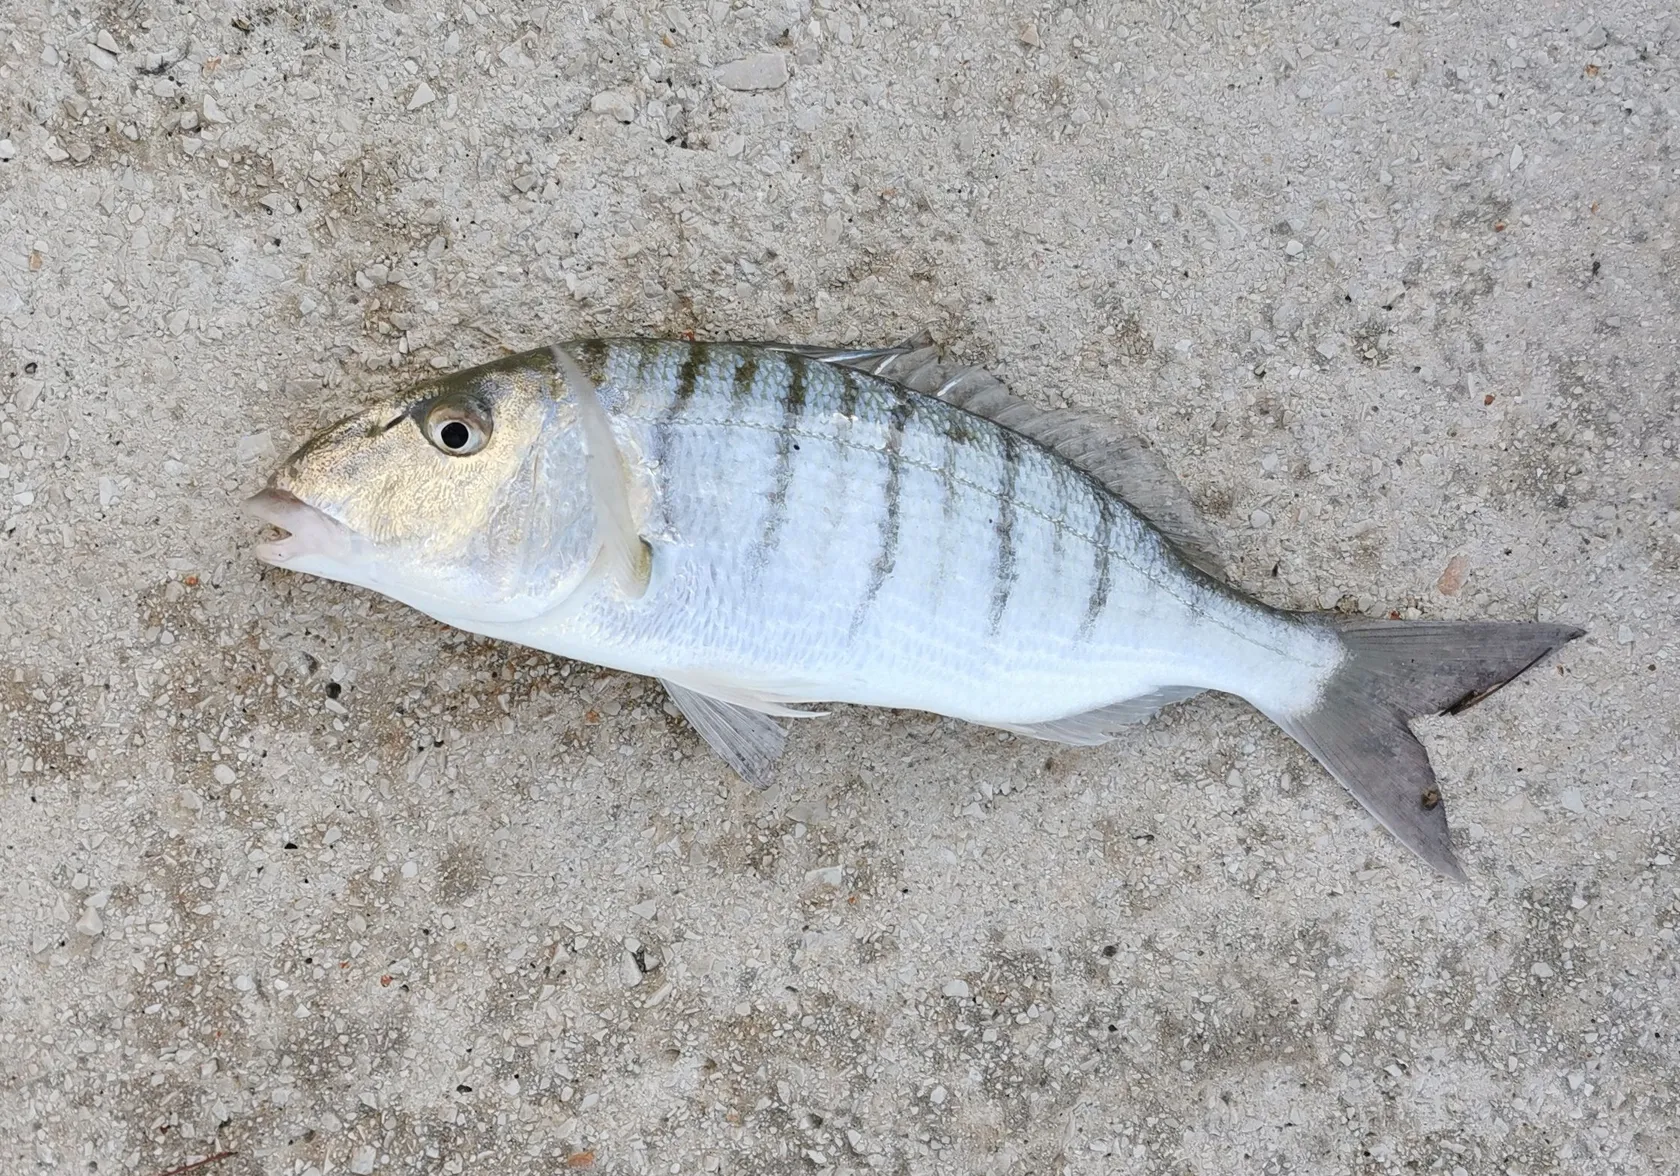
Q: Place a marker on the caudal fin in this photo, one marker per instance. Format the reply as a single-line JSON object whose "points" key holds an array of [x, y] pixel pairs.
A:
{"points": [[1395, 671]]}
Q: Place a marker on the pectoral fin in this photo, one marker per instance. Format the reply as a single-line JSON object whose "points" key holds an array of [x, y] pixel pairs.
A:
{"points": [[747, 740], [625, 555]]}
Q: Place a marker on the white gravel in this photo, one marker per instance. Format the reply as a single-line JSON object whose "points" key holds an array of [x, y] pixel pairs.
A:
{"points": [[292, 872]]}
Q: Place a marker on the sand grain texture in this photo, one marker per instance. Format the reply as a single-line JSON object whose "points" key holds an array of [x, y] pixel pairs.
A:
{"points": [[291, 871]]}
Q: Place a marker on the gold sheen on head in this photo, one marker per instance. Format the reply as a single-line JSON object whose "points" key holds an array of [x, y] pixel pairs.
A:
{"points": [[466, 498]]}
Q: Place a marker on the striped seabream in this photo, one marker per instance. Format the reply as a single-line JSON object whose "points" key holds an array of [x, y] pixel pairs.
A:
{"points": [[764, 527]]}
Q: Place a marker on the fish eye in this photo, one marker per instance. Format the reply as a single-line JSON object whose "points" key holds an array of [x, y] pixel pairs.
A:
{"points": [[457, 429]]}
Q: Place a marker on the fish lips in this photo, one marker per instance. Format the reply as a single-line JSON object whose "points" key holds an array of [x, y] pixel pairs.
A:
{"points": [[314, 537]]}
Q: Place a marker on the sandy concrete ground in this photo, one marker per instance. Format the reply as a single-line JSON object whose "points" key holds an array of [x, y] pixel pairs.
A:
{"points": [[290, 871]]}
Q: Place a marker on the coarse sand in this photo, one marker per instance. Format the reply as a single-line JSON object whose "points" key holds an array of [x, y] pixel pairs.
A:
{"points": [[292, 872]]}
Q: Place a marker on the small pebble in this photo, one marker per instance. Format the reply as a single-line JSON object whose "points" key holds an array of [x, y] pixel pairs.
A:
{"points": [[254, 446], [615, 103], [826, 875], [1452, 576], [761, 71], [1288, 317], [1542, 970], [423, 95], [224, 775], [1294, 248], [957, 988], [213, 113]]}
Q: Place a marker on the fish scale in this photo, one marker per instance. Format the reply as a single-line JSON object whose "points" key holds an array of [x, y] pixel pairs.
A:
{"points": [[763, 525]]}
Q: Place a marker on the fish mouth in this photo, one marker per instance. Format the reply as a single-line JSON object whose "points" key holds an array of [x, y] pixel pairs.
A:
{"points": [[310, 531]]}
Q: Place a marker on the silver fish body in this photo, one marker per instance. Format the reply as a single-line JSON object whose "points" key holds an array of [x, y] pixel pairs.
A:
{"points": [[821, 536], [817, 531]]}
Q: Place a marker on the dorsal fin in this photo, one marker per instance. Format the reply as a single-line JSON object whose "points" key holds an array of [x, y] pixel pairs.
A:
{"points": [[1119, 460]]}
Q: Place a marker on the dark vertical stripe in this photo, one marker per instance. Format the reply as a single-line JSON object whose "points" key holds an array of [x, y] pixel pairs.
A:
{"points": [[946, 536], [1103, 573], [892, 506], [851, 388], [688, 376], [591, 356], [948, 468], [787, 442], [741, 390], [1004, 582], [959, 433]]}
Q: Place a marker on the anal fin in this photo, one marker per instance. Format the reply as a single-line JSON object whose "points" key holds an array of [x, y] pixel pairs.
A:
{"points": [[1090, 728], [749, 741]]}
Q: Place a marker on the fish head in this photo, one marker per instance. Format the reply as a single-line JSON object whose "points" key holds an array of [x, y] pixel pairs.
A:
{"points": [[466, 498]]}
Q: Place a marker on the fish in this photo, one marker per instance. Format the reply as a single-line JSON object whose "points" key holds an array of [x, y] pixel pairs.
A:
{"points": [[767, 528]]}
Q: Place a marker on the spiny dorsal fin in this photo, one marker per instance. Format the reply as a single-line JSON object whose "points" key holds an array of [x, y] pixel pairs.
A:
{"points": [[1119, 460]]}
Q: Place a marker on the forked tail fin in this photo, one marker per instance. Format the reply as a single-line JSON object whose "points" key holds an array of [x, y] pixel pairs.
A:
{"points": [[1395, 671]]}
